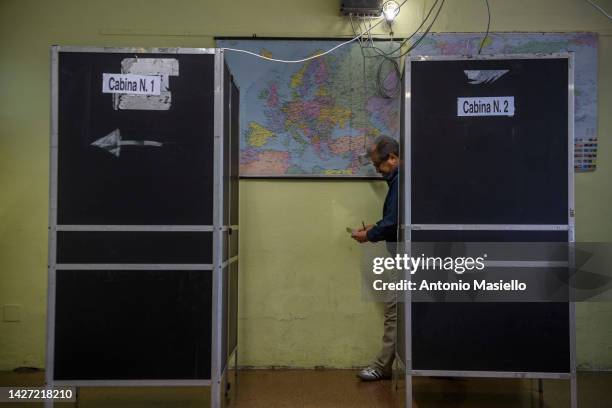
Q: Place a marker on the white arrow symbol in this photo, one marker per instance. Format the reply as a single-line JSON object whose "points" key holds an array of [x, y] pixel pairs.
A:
{"points": [[485, 76], [112, 143]]}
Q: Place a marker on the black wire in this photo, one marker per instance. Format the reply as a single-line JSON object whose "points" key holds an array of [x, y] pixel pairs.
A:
{"points": [[381, 53], [385, 92], [382, 90], [488, 26], [387, 56], [417, 42], [355, 33]]}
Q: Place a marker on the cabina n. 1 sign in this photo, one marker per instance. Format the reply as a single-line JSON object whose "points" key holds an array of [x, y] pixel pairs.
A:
{"points": [[131, 84]]}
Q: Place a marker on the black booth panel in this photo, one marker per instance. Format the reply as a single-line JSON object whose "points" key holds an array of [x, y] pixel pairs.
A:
{"points": [[496, 169], [235, 156], [224, 316], [401, 318], [227, 153], [233, 243], [124, 325], [233, 306], [134, 247], [225, 239], [404, 163], [514, 337], [488, 236], [400, 347], [147, 185], [229, 243], [490, 170]]}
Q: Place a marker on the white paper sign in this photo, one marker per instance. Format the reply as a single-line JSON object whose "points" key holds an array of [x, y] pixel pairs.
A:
{"points": [[487, 106], [131, 84]]}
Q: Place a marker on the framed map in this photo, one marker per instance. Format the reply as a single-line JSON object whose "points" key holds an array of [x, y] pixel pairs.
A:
{"points": [[310, 119], [315, 119]]}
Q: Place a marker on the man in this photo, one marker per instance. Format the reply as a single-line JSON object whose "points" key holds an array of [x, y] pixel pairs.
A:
{"points": [[384, 155]]}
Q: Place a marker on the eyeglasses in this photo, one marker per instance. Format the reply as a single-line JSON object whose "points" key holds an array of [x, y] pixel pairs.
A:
{"points": [[378, 162]]}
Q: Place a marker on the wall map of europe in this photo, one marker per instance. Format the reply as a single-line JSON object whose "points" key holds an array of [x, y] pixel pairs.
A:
{"points": [[315, 118]]}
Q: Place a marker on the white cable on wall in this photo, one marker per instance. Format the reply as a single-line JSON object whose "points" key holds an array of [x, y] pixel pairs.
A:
{"points": [[381, 19], [304, 59], [604, 12]]}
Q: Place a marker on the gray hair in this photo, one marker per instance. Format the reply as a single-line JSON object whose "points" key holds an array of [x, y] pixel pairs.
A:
{"points": [[383, 146]]}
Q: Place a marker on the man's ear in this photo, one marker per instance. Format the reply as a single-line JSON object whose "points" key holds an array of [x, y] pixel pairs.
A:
{"points": [[394, 158]]}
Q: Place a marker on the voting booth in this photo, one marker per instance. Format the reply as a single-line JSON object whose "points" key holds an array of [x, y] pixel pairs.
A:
{"points": [[487, 145], [143, 220]]}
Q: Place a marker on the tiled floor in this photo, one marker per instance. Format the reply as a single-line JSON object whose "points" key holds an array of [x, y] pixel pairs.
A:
{"points": [[340, 388]]}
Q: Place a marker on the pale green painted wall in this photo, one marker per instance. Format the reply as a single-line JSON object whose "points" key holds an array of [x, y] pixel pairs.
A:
{"points": [[301, 284], [300, 294]]}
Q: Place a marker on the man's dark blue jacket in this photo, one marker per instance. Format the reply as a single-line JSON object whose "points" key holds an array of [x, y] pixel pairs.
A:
{"points": [[386, 229]]}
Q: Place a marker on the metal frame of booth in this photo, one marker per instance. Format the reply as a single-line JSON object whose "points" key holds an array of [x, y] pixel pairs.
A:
{"points": [[407, 227], [218, 380]]}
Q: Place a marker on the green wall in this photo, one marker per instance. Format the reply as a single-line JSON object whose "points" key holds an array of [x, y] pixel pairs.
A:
{"points": [[300, 294]]}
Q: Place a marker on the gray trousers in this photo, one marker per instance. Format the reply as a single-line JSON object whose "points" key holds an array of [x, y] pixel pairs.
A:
{"points": [[386, 355]]}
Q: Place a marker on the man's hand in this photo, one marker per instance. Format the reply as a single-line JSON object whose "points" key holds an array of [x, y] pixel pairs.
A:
{"points": [[368, 227], [360, 236]]}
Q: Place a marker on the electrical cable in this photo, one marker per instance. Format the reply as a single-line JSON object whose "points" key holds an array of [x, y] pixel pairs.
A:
{"points": [[357, 37], [368, 43], [303, 59], [604, 12], [381, 87], [355, 33], [378, 50], [411, 35], [417, 42], [424, 34], [488, 26], [388, 57]]}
